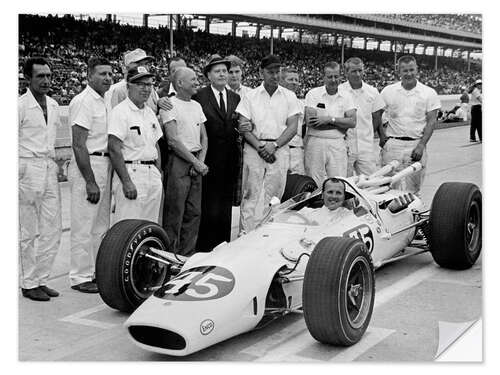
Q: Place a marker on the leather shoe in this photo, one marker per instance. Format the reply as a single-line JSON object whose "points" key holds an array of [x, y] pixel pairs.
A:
{"points": [[35, 294], [86, 287], [49, 291]]}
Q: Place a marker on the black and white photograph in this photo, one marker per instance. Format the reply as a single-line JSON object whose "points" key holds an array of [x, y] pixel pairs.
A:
{"points": [[249, 187]]}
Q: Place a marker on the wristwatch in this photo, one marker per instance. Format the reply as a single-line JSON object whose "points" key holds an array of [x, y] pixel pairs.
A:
{"points": [[276, 144], [333, 120]]}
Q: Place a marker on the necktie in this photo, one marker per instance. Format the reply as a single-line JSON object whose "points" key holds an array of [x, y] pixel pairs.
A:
{"points": [[222, 104]]}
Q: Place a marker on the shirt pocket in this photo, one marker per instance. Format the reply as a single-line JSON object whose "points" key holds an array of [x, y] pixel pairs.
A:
{"points": [[136, 136], [419, 107]]}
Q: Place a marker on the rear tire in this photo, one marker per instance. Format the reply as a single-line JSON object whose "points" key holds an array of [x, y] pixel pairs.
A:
{"points": [[296, 184], [338, 291], [456, 225], [124, 275]]}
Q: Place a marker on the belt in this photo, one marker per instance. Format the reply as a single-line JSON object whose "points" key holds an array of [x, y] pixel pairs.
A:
{"points": [[147, 162], [296, 146], [100, 154], [267, 139], [405, 138]]}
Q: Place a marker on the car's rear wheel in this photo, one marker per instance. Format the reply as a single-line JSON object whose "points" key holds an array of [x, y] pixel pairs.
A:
{"points": [[338, 291], [125, 276], [456, 225], [296, 184]]}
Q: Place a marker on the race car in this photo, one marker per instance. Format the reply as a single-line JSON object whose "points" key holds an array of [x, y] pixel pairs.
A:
{"points": [[289, 262]]}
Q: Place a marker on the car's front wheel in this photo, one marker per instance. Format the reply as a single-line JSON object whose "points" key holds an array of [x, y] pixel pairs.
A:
{"points": [[338, 291], [125, 275]]}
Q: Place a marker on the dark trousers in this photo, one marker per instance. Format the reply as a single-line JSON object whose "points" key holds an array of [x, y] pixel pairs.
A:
{"points": [[476, 122], [182, 205]]}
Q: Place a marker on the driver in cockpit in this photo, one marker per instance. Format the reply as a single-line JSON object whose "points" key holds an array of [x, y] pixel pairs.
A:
{"points": [[334, 199]]}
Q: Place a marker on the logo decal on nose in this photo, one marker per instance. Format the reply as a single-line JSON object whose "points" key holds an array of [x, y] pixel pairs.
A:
{"points": [[207, 326]]}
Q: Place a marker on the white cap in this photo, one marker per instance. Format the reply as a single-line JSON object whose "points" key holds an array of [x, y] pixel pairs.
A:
{"points": [[135, 56]]}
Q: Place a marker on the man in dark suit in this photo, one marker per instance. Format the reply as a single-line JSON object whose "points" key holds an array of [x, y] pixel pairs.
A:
{"points": [[218, 104]]}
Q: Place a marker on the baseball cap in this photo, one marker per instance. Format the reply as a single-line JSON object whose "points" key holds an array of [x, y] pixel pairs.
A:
{"points": [[133, 74], [270, 61], [135, 56]]}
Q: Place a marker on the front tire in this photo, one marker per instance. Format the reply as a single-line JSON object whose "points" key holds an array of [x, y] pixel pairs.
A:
{"points": [[456, 225], [125, 277], [338, 291]]}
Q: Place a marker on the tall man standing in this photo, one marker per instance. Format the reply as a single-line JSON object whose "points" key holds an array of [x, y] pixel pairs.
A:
{"points": [[369, 108], [133, 133], [332, 113], [39, 193], [411, 109], [219, 106], [89, 174], [187, 138], [274, 111], [289, 79]]}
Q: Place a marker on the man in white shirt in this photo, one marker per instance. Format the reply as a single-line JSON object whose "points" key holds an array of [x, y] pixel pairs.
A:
{"points": [[274, 112], [328, 113], [133, 133], [187, 138], [411, 109], [369, 109], [89, 175], [39, 192], [333, 209], [289, 79]]}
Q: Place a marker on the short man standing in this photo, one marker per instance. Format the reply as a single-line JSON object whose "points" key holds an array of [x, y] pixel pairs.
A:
{"points": [[133, 133], [274, 111], [187, 138], [39, 193], [235, 76], [329, 113], [411, 109], [89, 174], [218, 104], [289, 79], [369, 109]]}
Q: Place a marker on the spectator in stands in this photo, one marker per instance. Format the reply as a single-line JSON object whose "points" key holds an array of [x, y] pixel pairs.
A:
{"points": [[89, 175], [218, 104], [328, 113], [133, 133], [476, 101], [369, 108], [289, 79], [187, 138], [39, 194], [412, 113], [274, 111]]}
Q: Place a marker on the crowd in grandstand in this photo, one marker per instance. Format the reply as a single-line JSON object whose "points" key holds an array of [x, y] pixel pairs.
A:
{"points": [[68, 43], [461, 22]]}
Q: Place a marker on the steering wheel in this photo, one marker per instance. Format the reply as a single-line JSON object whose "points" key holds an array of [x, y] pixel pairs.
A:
{"points": [[302, 217]]}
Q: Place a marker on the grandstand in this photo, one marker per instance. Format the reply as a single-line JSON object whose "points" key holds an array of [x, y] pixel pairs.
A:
{"points": [[69, 40]]}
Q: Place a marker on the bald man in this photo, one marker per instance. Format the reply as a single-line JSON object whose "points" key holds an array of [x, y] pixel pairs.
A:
{"points": [[186, 136]]}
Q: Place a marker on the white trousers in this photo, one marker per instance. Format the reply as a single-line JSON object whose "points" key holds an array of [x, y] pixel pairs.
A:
{"points": [[363, 162], [395, 149], [89, 222], [325, 157], [39, 212], [260, 182], [297, 160], [147, 181]]}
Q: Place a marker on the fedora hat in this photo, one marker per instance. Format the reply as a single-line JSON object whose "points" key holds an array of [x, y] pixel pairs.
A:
{"points": [[214, 60]]}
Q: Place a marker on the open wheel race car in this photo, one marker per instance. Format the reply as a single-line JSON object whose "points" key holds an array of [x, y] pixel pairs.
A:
{"points": [[289, 262]]}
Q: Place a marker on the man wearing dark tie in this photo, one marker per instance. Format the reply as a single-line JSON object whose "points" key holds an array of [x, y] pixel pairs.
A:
{"points": [[218, 104]]}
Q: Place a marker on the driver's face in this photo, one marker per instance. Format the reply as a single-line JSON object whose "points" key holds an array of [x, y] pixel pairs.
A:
{"points": [[333, 195]]}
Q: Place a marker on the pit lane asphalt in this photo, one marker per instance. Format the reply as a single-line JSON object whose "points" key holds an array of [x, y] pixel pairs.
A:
{"points": [[413, 298]]}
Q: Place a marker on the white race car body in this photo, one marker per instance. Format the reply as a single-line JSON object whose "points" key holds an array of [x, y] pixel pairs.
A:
{"points": [[221, 294]]}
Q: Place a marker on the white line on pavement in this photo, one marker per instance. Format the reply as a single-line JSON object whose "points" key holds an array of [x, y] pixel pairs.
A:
{"points": [[372, 337], [78, 318]]}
